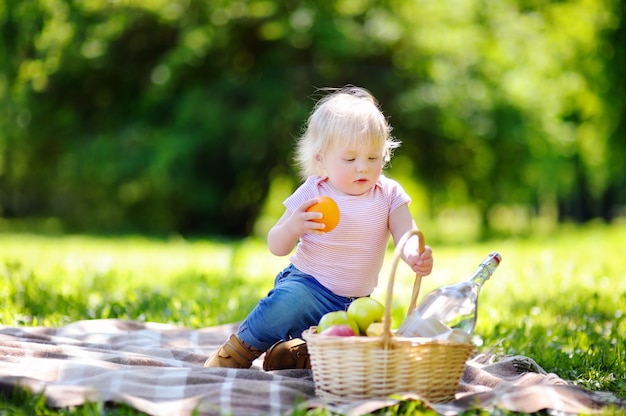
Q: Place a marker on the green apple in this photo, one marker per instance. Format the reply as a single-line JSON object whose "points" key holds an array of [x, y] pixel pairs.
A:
{"points": [[337, 318], [366, 311]]}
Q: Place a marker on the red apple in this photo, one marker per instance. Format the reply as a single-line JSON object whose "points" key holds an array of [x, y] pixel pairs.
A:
{"points": [[339, 331], [337, 318]]}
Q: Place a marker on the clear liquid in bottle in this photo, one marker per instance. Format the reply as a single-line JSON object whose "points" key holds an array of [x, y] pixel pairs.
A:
{"points": [[455, 306]]}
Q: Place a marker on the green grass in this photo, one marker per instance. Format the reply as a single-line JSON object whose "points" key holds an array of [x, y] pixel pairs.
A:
{"points": [[559, 299], [21, 402]]}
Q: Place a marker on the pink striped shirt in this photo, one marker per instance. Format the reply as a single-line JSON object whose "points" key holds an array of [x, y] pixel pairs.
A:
{"points": [[348, 259]]}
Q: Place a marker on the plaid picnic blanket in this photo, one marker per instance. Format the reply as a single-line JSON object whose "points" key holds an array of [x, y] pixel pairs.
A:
{"points": [[158, 369]]}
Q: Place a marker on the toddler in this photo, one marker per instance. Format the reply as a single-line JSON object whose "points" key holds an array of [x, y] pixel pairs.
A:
{"points": [[345, 146]]}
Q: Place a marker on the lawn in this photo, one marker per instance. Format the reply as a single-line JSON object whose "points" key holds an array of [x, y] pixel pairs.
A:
{"points": [[559, 299]]}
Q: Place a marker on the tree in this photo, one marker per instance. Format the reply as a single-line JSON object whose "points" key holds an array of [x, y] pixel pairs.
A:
{"points": [[175, 116]]}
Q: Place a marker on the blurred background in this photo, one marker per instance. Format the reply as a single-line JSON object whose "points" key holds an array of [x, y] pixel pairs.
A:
{"points": [[179, 116]]}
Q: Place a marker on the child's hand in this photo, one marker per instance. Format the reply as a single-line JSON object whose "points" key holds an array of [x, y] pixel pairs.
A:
{"points": [[420, 264], [301, 221], [284, 236]]}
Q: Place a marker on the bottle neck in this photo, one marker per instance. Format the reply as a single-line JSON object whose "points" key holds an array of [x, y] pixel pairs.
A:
{"points": [[485, 269], [481, 275]]}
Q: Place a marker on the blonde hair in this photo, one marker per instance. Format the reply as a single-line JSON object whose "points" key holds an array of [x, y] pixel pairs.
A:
{"points": [[348, 117]]}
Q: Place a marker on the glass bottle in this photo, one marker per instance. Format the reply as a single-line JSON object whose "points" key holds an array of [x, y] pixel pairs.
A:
{"points": [[454, 306]]}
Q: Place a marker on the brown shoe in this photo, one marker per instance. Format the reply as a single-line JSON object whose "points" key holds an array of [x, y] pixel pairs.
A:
{"points": [[287, 354], [233, 354]]}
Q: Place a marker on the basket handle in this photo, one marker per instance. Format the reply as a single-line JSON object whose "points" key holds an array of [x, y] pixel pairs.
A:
{"points": [[397, 255], [418, 277]]}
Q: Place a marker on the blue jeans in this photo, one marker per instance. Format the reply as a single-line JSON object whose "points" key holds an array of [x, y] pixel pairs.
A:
{"points": [[296, 302]]}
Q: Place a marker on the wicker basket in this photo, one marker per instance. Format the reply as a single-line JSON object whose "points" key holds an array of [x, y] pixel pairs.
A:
{"points": [[361, 367]]}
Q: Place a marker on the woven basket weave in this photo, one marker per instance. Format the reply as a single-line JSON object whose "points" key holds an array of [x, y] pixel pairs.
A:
{"points": [[362, 367]]}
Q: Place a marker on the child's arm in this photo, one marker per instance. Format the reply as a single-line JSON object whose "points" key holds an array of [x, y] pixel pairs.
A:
{"points": [[400, 222], [284, 235]]}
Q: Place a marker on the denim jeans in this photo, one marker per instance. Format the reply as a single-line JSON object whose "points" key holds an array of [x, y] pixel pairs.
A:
{"points": [[296, 302]]}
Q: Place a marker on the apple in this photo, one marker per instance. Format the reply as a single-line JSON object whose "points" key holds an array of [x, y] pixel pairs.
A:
{"points": [[337, 318], [365, 311], [375, 329], [341, 330]]}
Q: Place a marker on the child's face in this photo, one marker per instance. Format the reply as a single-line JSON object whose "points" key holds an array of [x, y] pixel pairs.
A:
{"points": [[352, 171]]}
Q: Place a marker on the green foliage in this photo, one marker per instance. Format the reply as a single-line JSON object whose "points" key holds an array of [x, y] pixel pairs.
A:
{"points": [[175, 116]]}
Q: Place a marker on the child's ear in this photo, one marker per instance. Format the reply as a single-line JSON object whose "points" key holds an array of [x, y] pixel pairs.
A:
{"points": [[319, 160]]}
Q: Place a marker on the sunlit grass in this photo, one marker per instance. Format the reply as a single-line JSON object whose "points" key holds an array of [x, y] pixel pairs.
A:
{"points": [[52, 281], [559, 299]]}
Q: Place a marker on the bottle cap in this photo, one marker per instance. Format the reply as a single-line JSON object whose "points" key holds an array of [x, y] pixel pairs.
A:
{"points": [[496, 256]]}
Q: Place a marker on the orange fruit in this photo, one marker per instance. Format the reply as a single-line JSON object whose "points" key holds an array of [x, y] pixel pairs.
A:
{"points": [[330, 212]]}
